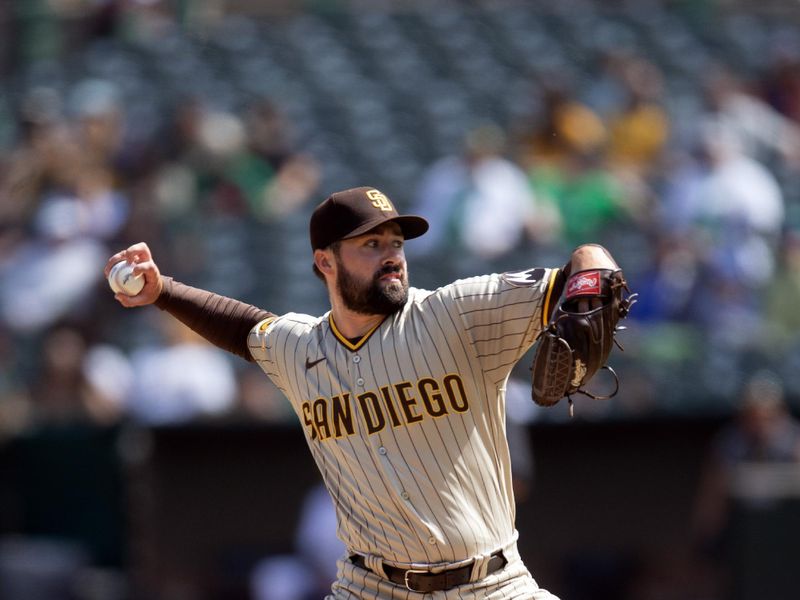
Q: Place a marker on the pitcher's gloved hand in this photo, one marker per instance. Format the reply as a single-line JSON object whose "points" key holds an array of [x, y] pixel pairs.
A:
{"points": [[578, 340]]}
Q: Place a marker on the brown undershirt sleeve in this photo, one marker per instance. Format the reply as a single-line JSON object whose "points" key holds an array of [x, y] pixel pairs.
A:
{"points": [[223, 321]]}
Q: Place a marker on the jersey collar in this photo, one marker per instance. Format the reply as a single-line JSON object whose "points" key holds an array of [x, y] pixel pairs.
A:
{"points": [[347, 343]]}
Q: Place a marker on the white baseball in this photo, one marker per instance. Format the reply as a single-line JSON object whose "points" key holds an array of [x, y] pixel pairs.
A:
{"points": [[123, 281]]}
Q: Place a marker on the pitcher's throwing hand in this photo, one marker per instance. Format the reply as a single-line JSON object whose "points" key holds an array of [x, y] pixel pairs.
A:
{"points": [[138, 255]]}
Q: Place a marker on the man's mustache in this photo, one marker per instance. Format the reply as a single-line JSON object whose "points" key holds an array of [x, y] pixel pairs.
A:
{"points": [[386, 270]]}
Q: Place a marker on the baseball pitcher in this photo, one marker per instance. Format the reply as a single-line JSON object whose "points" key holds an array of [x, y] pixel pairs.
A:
{"points": [[401, 391]]}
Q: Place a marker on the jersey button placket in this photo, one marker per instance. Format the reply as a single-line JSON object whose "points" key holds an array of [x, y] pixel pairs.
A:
{"points": [[360, 380]]}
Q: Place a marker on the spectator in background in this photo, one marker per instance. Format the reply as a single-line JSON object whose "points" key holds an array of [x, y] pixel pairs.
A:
{"points": [[780, 85], [64, 391], [232, 186], [297, 175], [638, 132], [179, 379], [35, 165], [230, 177], [62, 207], [605, 93], [639, 129], [208, 166], [222, 162], [99, 123], [667, 284], [293, 186], [174, 181], [782, 297], [564, 127], [760, 131], [479, 203], [270, 133], [762, 434], [563, 158], [732, 209], [60, 203], [58, 392], [780, 342]]}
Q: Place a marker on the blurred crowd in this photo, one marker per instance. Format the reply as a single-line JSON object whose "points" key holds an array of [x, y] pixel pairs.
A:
{"points": [[518, 129], [698, 199]]}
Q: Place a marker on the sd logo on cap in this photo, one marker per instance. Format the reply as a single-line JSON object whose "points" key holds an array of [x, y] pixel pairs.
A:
{"points": [[356, 211]]}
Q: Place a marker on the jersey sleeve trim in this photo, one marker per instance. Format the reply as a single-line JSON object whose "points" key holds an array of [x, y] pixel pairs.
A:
{"points": [[264, 325], [259, 330], [546, 308]]}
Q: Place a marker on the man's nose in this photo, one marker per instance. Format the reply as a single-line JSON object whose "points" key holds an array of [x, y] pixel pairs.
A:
{"points": [[393, 255]]}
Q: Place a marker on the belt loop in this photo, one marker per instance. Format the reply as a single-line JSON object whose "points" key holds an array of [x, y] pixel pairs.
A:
{"points": [[375, 564], [480, 567]]}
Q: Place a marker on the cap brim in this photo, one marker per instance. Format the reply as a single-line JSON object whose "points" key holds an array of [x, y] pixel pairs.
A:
{"points": [[412, 226]]}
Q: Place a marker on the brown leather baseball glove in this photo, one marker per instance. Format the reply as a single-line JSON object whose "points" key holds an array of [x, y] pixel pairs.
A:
{"points": [[577, 343]]}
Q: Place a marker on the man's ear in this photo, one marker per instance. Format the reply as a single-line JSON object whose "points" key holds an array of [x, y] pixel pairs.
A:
{"points": [[324, 261]]}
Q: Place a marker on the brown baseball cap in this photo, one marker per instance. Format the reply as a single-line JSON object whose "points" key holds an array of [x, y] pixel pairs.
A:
{"points": [[356, 211]]}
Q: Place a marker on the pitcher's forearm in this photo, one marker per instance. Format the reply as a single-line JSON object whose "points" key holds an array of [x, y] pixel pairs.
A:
{"points": [[223, 321]]}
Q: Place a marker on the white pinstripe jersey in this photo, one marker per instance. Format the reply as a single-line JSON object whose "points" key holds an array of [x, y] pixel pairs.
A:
{"points": [[407, 426]]}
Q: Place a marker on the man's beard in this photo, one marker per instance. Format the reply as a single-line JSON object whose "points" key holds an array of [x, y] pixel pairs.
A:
{"points": [[372, 298]]}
